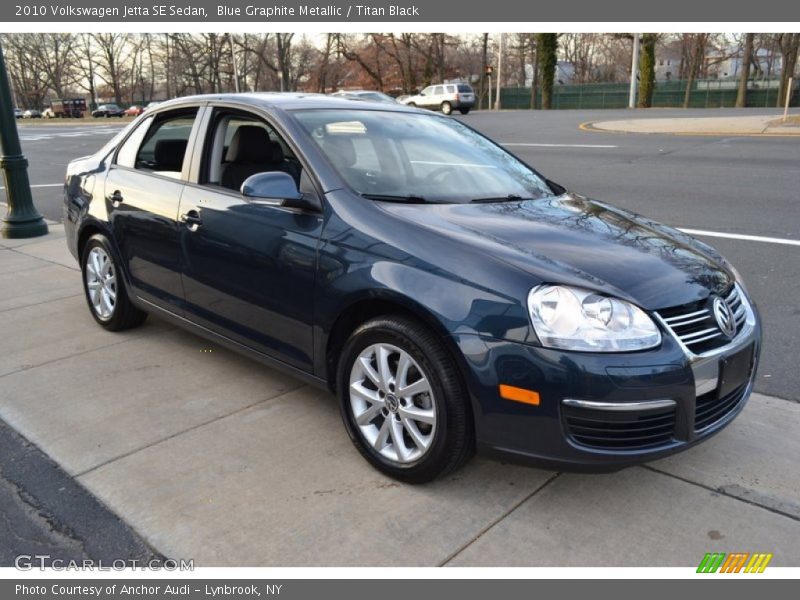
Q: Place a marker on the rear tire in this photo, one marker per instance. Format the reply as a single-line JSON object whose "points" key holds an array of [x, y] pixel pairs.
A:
{"points": [[412, 105], [415, 437], [447, 108], [463, 111], [104, 287]]}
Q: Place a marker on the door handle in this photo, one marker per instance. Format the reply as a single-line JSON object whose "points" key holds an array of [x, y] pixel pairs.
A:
{"points": [[116, 197], [191, 219]]}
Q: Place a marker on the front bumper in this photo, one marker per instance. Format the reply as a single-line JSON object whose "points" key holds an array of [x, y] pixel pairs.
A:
{"points": [[602, 412]]}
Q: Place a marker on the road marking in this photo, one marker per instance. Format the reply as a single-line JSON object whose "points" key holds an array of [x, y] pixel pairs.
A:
{"points": [[741, 236], [41, 185], [558, 145]]}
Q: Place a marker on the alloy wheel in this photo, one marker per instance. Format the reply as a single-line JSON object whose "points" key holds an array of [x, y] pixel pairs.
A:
{"points": [[392, 403], [101, 283]]}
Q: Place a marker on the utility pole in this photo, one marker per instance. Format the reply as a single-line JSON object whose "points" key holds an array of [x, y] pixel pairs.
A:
{"points": [[235, 66], [634, 71], [499, 72], [21, 220]]}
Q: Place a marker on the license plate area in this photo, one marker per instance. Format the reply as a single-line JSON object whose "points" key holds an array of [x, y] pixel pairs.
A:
{"points": [[734, 370]]}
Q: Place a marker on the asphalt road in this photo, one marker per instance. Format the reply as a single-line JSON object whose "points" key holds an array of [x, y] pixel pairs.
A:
{"points": [[739, 185]]}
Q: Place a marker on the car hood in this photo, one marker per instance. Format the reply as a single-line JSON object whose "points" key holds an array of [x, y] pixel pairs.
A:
{"points": [[573, 240]]}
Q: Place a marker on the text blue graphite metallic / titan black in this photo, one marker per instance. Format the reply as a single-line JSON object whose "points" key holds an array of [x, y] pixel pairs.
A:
{"points": [[451, 296]]}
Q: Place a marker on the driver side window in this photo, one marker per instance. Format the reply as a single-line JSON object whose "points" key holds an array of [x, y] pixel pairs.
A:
{"points": [[242, 145]]}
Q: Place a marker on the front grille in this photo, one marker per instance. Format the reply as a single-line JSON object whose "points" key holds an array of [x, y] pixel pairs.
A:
{"points": [[622, 430], [695, 325], [709, 410]]}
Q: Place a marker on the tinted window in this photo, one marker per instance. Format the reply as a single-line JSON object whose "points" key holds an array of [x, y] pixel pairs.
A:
{"points": [[400, 154], [464, 89], [164, 147], [242, 145], [126, 156]]}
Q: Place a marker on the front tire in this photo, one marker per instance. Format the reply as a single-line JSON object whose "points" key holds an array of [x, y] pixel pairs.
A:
{"points": [[402, 400], [104, 287], [447, 108]]}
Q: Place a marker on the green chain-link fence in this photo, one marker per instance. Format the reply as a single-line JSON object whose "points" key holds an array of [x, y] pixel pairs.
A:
{"points": [[705, 94]]}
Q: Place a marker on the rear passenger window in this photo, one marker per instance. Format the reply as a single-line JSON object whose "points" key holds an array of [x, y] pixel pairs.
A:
{"points": [[126, 157], [164, 147]]}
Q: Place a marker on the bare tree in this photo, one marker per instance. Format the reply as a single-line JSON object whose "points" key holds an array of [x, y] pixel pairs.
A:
{"points": [[789, 45], [744, 76], [114, 53]]}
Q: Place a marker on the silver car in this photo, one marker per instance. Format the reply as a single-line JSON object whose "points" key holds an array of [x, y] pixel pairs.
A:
{"points": [[446, 97]]}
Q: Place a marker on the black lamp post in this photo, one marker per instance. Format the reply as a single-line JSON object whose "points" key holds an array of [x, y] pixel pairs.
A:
{"points": [[21, 220]]}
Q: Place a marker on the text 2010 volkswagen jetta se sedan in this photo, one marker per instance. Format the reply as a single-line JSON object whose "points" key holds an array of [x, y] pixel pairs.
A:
{"points": [[450, 295]]}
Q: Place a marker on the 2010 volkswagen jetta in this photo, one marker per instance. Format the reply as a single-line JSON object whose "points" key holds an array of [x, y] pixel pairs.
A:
{"points": [[450, 295]]}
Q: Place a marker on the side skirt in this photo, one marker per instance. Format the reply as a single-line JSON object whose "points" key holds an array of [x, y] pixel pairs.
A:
{"points": [[230, 344]]}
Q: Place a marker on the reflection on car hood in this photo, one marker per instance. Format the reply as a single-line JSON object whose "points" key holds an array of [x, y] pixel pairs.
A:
{"points": [[570, 239]]}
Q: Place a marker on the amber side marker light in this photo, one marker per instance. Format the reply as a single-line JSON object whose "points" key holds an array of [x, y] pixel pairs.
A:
{"points": [[509, 392]]}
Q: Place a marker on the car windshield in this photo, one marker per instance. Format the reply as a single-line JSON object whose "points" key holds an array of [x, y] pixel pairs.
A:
{"points": [[418, 157]]}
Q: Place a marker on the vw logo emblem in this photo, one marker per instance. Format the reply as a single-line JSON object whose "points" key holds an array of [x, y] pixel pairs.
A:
{"points": [[724, 317]]}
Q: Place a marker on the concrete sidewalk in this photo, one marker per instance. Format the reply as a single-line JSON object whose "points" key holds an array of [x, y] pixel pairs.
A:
{"points": [[212, 457], [748, 125]]}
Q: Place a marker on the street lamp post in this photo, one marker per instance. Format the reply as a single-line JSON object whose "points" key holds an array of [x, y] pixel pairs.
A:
{"points": [[634, 72], [21, 220]]}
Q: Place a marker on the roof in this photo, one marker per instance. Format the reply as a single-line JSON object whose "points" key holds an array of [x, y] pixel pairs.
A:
{"points": [[290, 101]]}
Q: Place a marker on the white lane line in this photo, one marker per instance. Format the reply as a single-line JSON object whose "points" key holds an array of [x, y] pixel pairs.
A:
{"points": [[558, 145], [41, 185], [741, 236]]}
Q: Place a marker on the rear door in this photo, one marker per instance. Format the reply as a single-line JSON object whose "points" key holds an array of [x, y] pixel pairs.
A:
{"points": [[143, 189]]}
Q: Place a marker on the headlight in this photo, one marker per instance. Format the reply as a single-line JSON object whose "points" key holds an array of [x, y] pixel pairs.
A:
{"points": [[576, 319]]}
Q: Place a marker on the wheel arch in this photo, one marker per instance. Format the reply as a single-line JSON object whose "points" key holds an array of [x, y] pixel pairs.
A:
{"points": [[92, 227], [360, 310]]}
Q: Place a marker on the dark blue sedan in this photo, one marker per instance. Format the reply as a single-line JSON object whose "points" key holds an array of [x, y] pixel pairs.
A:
{"points": [[451, 296]]}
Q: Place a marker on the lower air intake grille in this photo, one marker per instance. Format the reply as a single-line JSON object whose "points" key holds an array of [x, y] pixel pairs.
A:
{"points": [[709, 410], [610, 430]]}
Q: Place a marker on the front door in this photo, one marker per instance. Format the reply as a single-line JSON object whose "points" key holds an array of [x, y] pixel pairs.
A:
{"points": [[249, 267]]}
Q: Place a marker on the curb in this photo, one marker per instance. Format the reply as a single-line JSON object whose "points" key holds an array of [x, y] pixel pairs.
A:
{"points": [[590, 126]]}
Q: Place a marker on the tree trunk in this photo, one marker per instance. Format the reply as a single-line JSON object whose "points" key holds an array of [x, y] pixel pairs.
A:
{"points": [[647, 70], [747, 58], [535, 78], [789, 45], [547, 47], [484, 64], [697, 54]]}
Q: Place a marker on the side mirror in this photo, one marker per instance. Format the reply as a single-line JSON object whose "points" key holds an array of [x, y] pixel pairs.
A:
{"points": [[275, 186]]}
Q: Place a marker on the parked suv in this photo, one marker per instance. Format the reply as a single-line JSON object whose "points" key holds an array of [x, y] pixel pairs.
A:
{"points": [[446, 97]]}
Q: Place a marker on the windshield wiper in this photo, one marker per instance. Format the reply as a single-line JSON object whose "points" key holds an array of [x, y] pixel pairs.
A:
{"points": [[509, 198], [410, 198]]}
